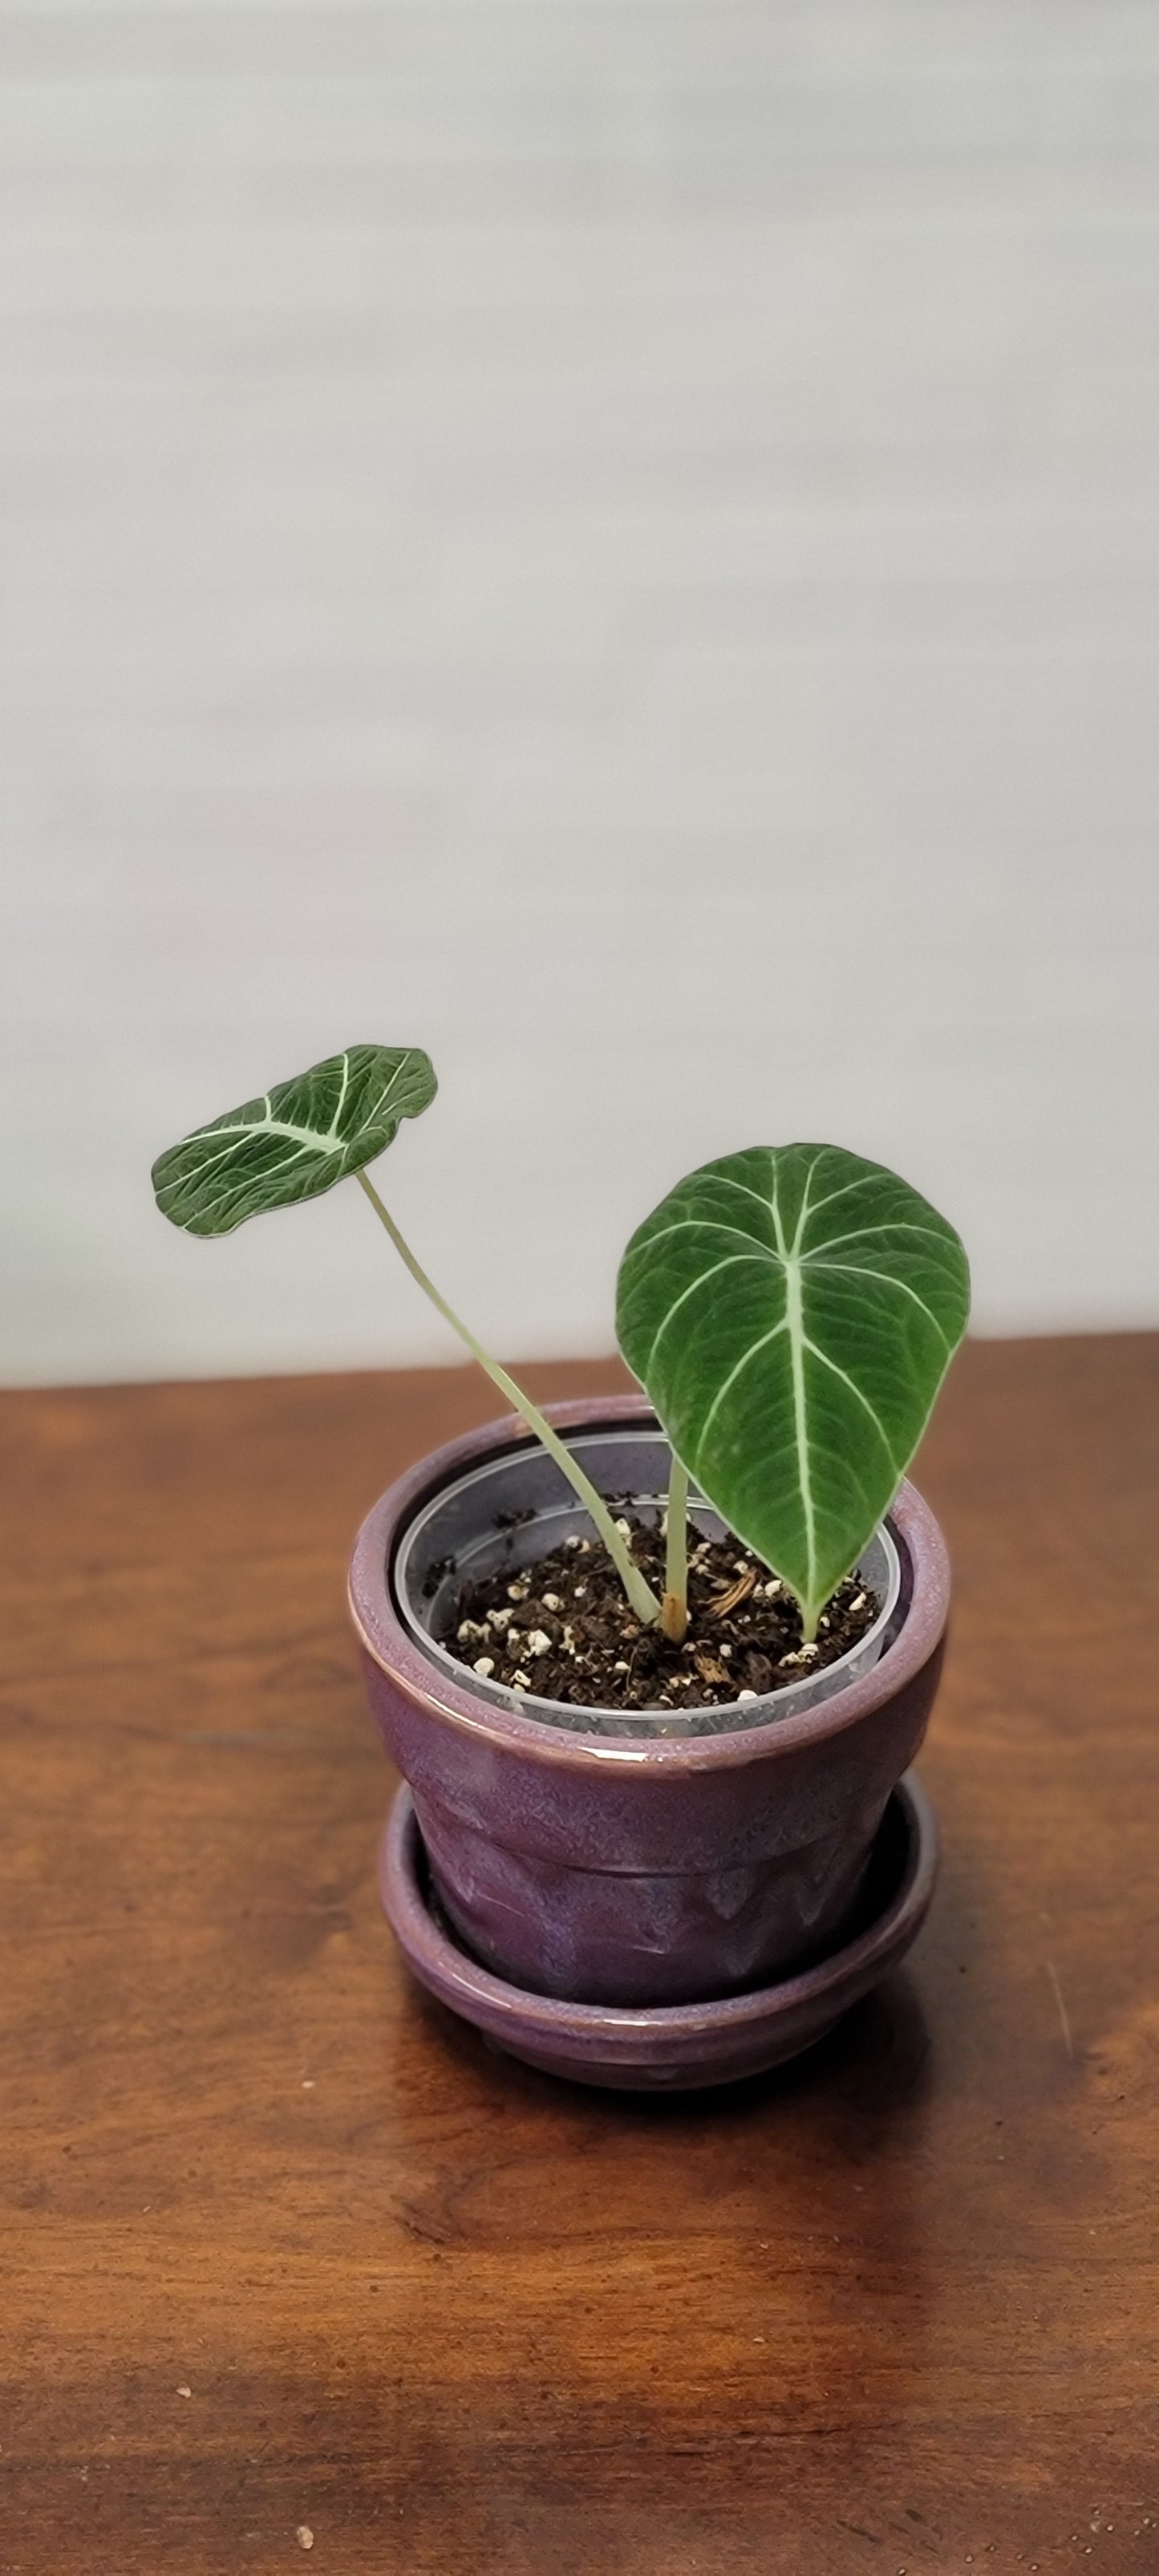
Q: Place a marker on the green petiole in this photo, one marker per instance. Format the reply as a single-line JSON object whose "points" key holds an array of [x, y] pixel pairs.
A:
{"points": [[674, 1608], [639, 1592]]}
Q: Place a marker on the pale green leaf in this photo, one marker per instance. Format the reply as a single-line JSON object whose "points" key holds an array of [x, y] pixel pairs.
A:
{"points": [[791, 1312], [294, 1142]]}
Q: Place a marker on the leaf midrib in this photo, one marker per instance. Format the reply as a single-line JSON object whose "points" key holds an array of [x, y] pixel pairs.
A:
{"points": [[321, 1140], [795, 1323]]}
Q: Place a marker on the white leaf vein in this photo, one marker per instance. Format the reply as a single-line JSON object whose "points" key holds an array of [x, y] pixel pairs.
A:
{"points": [[730, 1381]]}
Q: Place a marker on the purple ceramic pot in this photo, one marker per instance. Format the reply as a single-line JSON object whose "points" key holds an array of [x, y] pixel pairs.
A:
{"points": [[671, 2048], [642, 1869]]}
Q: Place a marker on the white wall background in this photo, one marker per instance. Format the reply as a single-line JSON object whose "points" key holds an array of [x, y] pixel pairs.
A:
{"points": [[614, 539]]}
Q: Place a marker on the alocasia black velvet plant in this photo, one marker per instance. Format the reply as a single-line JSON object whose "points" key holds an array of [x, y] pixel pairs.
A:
{"points": [[790, 1312]]}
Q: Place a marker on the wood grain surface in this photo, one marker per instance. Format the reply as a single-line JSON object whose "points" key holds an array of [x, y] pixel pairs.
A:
{"points": [[295, 2271]]}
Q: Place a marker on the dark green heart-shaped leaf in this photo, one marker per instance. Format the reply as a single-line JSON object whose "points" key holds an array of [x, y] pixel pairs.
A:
{"points": [[294, 1142], [791, 1312]]}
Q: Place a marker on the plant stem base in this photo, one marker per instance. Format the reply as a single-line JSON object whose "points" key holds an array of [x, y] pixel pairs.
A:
{"points": [[681, 2047]]}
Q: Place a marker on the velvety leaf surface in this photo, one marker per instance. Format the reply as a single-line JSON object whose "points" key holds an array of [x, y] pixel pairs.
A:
{"points": [[294, 1142], [791, 1312]]}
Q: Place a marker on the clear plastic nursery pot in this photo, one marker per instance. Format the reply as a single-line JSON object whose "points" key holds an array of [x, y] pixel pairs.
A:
{"points": [[616, 1858]]}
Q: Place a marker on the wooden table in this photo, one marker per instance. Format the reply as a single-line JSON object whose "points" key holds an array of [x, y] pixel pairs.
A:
{"points": [[288, 2253]]}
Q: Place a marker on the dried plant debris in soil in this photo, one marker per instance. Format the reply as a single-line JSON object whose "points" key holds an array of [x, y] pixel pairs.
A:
{"points": [[563, 1629]]}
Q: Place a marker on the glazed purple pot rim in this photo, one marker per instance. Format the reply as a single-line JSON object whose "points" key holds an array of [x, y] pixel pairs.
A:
{"points": [[554, 2015], [389, 1645]]}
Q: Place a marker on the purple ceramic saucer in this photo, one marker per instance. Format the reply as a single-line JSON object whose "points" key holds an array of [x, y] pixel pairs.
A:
{"points": [[672, 2047]]}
